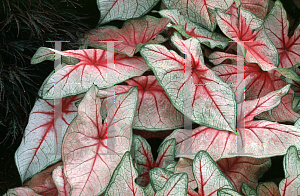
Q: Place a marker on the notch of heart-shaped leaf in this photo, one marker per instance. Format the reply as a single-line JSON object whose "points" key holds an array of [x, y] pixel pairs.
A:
{"points": [[162, 115], [91, 69], [247, 30], [42, 140], [122, 182], [92, 150], [213, 103], [129, 34], [261, 138], [144, 159]]}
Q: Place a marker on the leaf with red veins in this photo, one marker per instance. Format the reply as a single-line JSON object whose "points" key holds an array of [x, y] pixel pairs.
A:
{"points": [[42, 183], [199, 11], [91, 150], [155, 111], [92, 68], [277, 27], [61, 182], [257, 7], [144, 159], [213, 103], [134, 34], [258, 83], [191, 29], [21, 191], [267, 189], [244, 169], [247, 30], [291, 165], [261, 138], [185, 165], [42, 140], [123, 10]]}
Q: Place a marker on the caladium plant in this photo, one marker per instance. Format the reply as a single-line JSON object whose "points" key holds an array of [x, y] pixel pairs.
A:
{"points": [[177, 67]]}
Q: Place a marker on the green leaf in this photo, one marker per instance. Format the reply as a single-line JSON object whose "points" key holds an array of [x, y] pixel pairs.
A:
{"points": [[175, 186], [288, 73], [123, 179]]}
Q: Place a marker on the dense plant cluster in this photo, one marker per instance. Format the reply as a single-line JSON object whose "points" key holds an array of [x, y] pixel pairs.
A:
{"points": [[223, 77]]}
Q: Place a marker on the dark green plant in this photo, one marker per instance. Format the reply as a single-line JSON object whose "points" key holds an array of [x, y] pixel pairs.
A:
{"points": [[26, 25]]}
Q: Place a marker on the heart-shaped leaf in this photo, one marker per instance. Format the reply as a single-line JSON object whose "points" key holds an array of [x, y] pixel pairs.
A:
{"points": [[92, 69], [158, 177], [122, 181], [261, 138], [277, 28], [244, 169], [257, 7], [199, 11], [208, 176], [42, 140], [213, 104], [176, 185], [291, 165], [144, 158], [247, 30], [162, 115], [92, 150], [190, 29], [129, 34], [258, 83], [186, 165], [123, 10]]}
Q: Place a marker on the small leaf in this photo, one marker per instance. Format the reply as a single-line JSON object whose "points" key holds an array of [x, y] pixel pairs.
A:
{"points": [[288, 73], [176, 185], [228, 192], [158, 177], [123, 179], [21, 191]]}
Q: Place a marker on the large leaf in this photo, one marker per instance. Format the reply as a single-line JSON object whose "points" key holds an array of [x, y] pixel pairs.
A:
{"points": [[92, 69], [212, 104], [247, 30], [144, 159], [277, 29], [123, 180], [190, 29], [291, 165], [154, 112], [244, 169], [123, 10], [91, 149], [261, 138], [258, 83], [199, 11], [257, 7], [42, 140], [129, 34]]}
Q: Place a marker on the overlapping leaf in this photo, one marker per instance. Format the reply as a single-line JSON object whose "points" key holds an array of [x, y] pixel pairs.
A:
{"points": [[123, 10], [212, 104], [247, 30], [277, 27], [92, 150], [257, 7], [123, 180], [61, 182], [154, 112], [92, 69], [131, 37], [261, 138], [190, 29], [258, 83], [42, 140], [199, 11], [244, 169], [144, 159], [21, 191]]}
